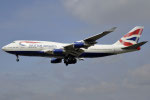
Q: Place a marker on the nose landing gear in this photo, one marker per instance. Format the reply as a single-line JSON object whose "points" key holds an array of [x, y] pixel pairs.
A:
{"points": [[17, 58]]}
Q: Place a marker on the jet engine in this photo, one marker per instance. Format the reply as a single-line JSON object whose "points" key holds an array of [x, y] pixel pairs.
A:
{"points": [[58, 51], [79, 44], [56, 60]]}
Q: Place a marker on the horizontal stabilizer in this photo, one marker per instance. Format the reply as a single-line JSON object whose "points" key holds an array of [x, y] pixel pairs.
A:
{"points": [[135, 46]]}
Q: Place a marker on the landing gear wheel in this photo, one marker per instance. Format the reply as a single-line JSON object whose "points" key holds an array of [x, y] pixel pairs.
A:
{"points": [[17, 60], [66, 64]]}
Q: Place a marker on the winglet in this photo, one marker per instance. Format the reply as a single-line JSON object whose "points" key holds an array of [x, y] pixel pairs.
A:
{"points": [[112, 29]]}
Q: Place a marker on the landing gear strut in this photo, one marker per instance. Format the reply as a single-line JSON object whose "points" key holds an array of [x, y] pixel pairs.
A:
{"points": [[17, 58], [66, 62]]}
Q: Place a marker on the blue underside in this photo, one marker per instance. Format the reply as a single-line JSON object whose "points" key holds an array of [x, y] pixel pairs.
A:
{"points": [[41, 53]]}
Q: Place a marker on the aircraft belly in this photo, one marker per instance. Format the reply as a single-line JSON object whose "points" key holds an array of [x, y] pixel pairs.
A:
{"points": [[33, 53], [95, 54]]}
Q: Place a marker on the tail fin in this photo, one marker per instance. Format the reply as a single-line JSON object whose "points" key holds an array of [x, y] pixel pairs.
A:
{"points": [[131, 37]]}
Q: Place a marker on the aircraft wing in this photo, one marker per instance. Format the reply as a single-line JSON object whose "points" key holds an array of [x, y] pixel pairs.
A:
{"points": [[98, 36], [91, 40], [73, 52], [75, 48]]}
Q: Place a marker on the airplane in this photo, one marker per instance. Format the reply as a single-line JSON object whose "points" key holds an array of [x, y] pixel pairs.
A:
{"points": [[70, 53]]}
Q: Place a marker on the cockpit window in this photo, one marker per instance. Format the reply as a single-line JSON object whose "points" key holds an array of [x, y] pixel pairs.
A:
{"points": [[13, 42]]}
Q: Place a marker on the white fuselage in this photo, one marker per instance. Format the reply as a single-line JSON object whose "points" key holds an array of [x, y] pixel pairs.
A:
{"points": [[38, 48], [69, 52]]}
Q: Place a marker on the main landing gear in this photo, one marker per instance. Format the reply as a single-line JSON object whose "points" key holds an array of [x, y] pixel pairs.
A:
{"points": [[17, 58], [70, 60]]}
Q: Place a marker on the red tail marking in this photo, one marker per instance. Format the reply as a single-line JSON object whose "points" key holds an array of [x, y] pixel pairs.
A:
{"points": [[136, 32], [141, 31], [125, 43]]}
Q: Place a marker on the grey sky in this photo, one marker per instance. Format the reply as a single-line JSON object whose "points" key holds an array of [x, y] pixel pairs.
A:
{"points": [[110, 11], [120, 77]]}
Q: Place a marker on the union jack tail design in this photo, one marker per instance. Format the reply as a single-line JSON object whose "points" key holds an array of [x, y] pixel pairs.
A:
{"points": [[131, 37]]}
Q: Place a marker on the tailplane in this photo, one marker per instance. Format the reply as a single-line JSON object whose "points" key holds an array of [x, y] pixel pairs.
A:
{"points": [[131, 38], [135, 46]]}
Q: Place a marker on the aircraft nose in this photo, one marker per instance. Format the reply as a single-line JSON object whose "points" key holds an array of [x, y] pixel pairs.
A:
{"points": [[4, 48]]}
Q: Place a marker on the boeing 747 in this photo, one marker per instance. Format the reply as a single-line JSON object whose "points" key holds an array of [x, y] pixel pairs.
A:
{"points": [[70, 53]]}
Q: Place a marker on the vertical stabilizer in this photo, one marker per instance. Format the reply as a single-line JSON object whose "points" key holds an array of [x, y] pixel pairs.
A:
{"points": [[131, 38]]}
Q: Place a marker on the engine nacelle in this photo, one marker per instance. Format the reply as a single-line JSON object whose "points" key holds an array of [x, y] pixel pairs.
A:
{"points": [[56, 60], [78, 44], [58, 51]]}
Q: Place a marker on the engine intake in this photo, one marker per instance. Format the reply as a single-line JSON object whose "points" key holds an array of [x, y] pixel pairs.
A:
{"points": [[79, 44]]}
